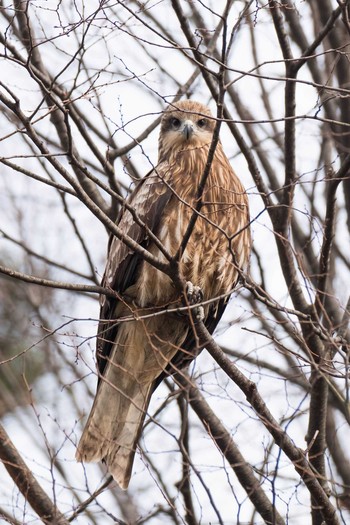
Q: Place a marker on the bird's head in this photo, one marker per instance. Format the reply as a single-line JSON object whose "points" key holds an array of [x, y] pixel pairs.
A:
{"points": [[185, 125]]}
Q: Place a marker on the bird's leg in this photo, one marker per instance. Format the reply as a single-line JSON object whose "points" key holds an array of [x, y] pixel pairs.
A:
{"points": [[194, 295]]}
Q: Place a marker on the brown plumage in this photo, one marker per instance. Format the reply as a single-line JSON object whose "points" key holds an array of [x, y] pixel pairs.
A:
{"points": [[133, 357]]}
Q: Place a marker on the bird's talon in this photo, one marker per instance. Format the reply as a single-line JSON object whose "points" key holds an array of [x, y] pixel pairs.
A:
{"points": [[194, 294], [189, 289], [198, 314]]}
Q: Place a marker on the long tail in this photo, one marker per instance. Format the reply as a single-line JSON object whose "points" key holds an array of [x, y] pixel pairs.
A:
{"points": [[114, 425], [116, 419]]}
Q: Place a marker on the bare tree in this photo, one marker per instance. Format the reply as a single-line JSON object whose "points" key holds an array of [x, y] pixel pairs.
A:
{"points": [[257, 430]]}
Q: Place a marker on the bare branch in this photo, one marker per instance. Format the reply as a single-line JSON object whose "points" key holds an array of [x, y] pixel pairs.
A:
{"points": [[296, 455], [225, 443], [28, 485]]}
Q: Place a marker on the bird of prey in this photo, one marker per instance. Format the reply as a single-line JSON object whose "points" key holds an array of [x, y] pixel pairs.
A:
{"points": [[134, 355]]}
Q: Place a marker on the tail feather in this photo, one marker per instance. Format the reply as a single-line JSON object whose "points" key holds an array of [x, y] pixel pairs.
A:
{"points": [[121, 452], [113, 430], [121, 402]]}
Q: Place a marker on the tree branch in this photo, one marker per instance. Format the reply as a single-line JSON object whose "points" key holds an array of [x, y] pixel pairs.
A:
{"points": [[230, 451], [295, 454], [27, 484]]}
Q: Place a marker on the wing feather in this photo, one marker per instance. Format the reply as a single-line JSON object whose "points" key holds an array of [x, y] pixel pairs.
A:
{"points": [[148, 200]]}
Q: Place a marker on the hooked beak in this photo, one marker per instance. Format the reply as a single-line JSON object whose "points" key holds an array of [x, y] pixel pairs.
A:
{"points": [[188, 129]]}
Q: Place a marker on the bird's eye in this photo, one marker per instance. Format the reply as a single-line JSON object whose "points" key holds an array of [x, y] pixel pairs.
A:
{"points": [[175, 122], [202, 122]]}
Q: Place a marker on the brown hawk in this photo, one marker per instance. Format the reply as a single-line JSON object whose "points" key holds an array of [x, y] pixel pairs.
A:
{"points": [[133, 356]]}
